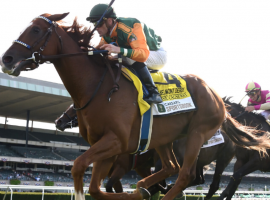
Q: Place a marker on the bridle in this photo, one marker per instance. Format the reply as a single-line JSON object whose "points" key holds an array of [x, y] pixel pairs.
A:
{"points": [[36, 56], [73, 121]]}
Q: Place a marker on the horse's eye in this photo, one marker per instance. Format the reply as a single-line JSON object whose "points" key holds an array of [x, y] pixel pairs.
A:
{"points": [[36, 30]]}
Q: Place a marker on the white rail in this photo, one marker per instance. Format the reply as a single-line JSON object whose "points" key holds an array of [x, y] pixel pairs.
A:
{"points": [[85, 189], [43, 188]]}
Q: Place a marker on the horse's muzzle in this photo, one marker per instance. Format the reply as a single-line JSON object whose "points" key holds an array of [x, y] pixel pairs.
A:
{"points": [[8, 66]]}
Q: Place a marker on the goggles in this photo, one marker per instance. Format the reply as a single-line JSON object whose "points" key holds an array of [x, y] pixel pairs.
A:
{"points": [[100, 24], [251, 93]]}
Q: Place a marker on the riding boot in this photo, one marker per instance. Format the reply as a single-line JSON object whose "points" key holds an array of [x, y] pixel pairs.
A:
{"points": [[145, 77]]}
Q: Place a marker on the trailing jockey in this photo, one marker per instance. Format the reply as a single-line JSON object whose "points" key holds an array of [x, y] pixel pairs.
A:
{"points": [[258, 100], [138, 44]]}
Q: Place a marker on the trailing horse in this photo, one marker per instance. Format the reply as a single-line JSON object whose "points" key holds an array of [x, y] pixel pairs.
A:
{"points": [[67, 120], [247, 161], [112, 127]]}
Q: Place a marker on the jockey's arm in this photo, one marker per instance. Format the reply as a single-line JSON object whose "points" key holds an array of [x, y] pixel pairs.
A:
{"points": [[264, 106], [139, 49]]}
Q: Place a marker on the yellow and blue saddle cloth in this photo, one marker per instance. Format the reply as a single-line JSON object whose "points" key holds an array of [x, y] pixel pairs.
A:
{"points": [[176, 99]]}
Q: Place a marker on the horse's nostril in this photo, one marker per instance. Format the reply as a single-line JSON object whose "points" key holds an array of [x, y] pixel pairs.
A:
{"points": [[7, 59]]}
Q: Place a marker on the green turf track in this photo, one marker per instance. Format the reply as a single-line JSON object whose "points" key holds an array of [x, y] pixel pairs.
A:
{"points": [[66, 196]]}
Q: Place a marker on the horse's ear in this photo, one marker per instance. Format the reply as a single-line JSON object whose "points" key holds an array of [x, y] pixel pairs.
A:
{"points": [[58, 17]]}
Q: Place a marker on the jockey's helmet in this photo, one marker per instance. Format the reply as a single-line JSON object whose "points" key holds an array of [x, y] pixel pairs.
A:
{"points": [[253, 86], [98, 10]]}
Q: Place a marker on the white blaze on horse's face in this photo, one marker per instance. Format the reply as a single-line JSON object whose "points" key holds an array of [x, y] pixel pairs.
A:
{"points": [[30, 24]]}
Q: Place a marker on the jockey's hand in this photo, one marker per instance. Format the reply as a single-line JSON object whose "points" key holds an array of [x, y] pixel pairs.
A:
{"points": [[111, 57], [249, 108], [111, 48]]}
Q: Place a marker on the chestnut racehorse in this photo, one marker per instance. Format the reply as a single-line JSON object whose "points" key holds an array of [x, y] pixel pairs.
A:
{"points": [[222, 153], [113, 127]]}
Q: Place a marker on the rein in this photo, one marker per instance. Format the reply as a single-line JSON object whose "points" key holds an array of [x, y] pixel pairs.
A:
{"points": [[94, 94], [37, 58], [73, 122], [240, 114]]}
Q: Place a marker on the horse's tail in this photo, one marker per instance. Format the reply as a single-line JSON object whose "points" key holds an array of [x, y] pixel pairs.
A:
{"points": [[245, 136]]}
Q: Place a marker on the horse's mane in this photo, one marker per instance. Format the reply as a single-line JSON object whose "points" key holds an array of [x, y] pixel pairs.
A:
{"points": [[229, 102], [79, 33]]}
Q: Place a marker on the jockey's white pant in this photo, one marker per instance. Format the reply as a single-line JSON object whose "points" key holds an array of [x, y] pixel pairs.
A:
{"points": [[266, 114], [156, 60]]}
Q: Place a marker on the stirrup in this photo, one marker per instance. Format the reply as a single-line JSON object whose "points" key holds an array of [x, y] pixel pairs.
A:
{"points": [[153, 98]]}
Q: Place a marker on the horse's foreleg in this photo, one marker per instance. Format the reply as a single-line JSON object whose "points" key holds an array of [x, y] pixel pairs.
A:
{"points": [[195, 176], [99, 172], [102, 155], [144, 171], [99, 151], [169, 167], [118, 188], [114, 180]]}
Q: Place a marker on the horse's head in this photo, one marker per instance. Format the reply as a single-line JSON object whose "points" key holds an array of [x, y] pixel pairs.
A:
{"points": [[67, 120], [39, 36], [238, 112]]}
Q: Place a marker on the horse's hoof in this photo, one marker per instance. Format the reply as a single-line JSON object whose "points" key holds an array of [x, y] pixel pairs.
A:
{"points": [[180, 195], [145, 193], [170, 186]]}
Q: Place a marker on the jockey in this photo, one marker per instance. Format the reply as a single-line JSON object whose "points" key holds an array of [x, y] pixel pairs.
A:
{"points": [[138, 44], [258, 99]]}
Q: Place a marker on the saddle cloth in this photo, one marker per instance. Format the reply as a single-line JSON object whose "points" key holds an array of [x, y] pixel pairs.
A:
{"points": [[173, 91], [214, 140], [176, 99]]}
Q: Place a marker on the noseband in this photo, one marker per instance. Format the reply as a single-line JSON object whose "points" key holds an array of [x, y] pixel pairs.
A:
{"points": [[36, 55], [73, 122]]}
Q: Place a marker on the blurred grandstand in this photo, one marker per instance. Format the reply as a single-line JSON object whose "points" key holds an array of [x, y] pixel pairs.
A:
{"points": [[34, 155]]}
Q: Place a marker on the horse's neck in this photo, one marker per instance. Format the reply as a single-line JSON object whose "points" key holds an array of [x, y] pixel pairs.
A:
{"points": [[79, 74]]}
